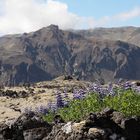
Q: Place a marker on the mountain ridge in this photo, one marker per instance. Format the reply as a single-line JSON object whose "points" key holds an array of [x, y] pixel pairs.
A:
{"points": [[128, 34], [51, 52]]}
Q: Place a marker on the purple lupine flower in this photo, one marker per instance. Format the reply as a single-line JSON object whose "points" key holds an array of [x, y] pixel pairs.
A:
{"points": [[43, 110], [93, 87], [49, 105], [102, 92], [66, 98], [111, 89], [110, 86], [138, 89], [52, 106], [66, 103], [96, 88], [59, 100], [127, 85], [77, 94], [82, 91]]}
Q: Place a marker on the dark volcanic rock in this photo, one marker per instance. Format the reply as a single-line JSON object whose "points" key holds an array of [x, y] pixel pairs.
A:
{"points": [[9, 93], [5, 132], [35, 133], [14, 94], [99, 131], [56, 133], [132, 128], [100, 126], [28, 126]]}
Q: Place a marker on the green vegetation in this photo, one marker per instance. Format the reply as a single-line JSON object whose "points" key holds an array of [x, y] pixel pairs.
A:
{"points": [[125, 101]]}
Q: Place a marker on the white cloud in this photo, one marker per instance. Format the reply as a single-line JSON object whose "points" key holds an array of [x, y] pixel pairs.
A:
{"points": [[28, 15], [118, 19], [17, 16], [128, 15]]}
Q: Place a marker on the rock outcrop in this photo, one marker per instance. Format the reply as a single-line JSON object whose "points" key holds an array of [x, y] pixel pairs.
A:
{"points": [[100, 126], [29, 126]]}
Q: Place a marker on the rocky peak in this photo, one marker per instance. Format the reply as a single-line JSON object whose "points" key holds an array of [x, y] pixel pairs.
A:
{"points": [[47, 33], [53, 27]]}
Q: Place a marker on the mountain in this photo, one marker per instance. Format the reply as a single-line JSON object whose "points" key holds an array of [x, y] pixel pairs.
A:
{"points": [[51, 52], [127, 34]]}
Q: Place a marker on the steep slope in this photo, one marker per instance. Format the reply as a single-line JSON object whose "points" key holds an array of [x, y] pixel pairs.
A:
{"points": [[106, 60], [32, 57], [127, 34], [51, 52]]}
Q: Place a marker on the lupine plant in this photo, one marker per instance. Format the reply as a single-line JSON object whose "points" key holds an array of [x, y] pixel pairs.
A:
{"points": [[42, 110], [123, 97], [59, 100]]}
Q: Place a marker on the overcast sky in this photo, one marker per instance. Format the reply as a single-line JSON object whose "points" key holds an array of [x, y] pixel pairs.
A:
{"points": [[18, 16]]}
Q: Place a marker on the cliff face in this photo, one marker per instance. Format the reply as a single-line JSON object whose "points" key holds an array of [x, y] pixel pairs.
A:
{"points": [[51, 52], [128, 34]]}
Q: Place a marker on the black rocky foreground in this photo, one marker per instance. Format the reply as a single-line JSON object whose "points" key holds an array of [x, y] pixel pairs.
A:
{"points": [[106, 125]]}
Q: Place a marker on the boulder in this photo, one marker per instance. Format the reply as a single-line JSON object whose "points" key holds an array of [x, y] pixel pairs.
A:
{"points": [[131, 128], [106, 125], [35, 133], [117, 117], [29, 126], [97, 133], [5, 132], [56, 133]]}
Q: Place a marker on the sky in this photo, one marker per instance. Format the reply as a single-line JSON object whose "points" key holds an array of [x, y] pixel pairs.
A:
{"points": [[18, 16]]}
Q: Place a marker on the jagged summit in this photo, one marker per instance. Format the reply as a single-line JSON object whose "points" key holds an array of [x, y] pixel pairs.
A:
{"points": [[52, 26]]}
